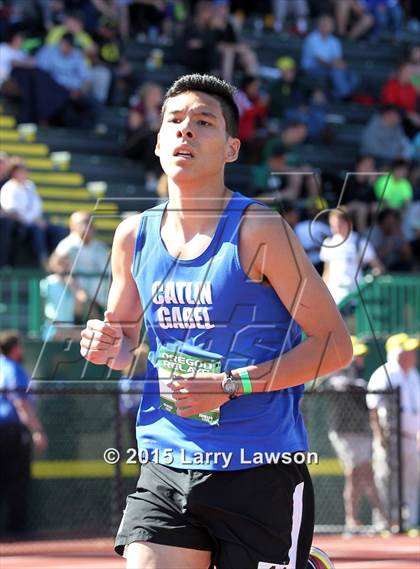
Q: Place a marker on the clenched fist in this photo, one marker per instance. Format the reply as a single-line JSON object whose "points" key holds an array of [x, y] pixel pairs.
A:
{"points": [[101, 340]]}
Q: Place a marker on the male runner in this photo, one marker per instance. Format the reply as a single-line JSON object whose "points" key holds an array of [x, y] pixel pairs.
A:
{"points": [[225, 289]]}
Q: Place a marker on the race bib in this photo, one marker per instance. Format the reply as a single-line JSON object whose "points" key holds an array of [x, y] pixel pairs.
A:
{"points": [[171, 364]]}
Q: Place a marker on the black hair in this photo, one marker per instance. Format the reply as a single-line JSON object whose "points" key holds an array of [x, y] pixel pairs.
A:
{"points": [[68, 37], [12, 31], [388, 108], [8, 340], [385, 213], [220, 90], [400, 163]]}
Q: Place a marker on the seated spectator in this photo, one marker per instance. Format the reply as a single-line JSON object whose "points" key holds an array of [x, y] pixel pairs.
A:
{"points": [[389, 242], [64, 300], [276, 179], [384, 138], [100, 75], [12, 55], [322, 58], [20, 201], [353, 18], [394, 190], [344, 254], [229, 44], [252, 105], [67, 67], [90, 258], [400, 92], [385, 13], [110, 53], [358, 195], [72, 24], [143, 124], [311, 233], [198, 41], [290, 100], [300, 11]]}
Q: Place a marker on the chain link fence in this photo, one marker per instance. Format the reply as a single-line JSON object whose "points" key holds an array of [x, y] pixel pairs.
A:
{"points": [[75, 490]]}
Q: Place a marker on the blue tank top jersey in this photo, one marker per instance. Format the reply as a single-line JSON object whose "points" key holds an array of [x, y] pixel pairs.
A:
{"points": [[205, 314]]}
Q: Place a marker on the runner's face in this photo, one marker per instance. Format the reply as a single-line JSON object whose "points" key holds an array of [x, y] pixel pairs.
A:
{"points": [[192, 142]]}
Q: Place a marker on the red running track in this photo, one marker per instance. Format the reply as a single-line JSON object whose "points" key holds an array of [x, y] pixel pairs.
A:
{"points": [[396, 552]]}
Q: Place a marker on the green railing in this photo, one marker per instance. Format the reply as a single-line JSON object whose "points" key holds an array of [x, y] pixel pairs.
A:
{"points": [[385, 305], [21, 307]]}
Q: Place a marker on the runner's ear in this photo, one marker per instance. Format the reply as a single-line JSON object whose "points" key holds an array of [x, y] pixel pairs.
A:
{"points": [[232, 150], [157, 147]]}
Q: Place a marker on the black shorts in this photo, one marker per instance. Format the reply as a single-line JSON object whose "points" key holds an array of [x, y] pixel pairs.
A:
{"points": [[248, 519]]}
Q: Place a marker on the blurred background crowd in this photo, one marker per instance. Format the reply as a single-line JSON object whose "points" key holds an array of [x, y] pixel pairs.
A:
{"points": [[329, 99]]}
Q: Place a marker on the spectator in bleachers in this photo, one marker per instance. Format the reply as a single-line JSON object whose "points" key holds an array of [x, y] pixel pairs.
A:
{"points": [[20, 428], [394, 189], [389, 242], [400, 92], [110, 53], [300, 11], [359, 196], [290, 100], [386, 14], [20, 201], [67, 67], [353, 18], [143, 124], [276, 179], [311, 233], [90, 257], [384, 138], [322, 58], [252, 105], [199, 40], [100, 75], [64, 300], [230, 45], [12, 55], [72, 24], [345, 254]]}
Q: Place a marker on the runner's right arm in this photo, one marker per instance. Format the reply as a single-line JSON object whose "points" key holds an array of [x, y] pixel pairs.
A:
{"points": [[111, 341]]}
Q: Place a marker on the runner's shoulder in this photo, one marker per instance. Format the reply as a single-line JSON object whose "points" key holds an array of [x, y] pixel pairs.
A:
{"points": [[126, 231], [262, 221]]}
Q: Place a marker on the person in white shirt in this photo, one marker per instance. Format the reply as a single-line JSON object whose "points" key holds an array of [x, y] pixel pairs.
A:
{"points": [[345, 254], [89, 256], [20, 202], [12, 55], [400, 371], [322, 58]]}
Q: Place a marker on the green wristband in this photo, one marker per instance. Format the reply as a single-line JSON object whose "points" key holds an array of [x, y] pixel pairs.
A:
{"points": [[246, 381]]}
